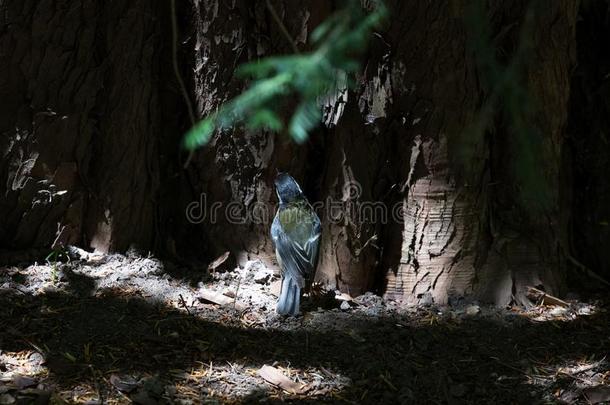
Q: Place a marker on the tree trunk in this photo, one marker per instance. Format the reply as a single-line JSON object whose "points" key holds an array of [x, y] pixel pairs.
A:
{"points": [[440, 212], [527, 247], [79, 121], [474, 234], [234, 174], [397, 142], [92, 113]]}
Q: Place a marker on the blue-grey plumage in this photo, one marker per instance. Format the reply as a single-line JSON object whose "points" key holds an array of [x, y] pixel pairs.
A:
{"points": [[296, 235]]}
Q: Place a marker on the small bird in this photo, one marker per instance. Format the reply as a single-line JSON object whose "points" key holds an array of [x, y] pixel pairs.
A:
{"points": [[296, 236]]}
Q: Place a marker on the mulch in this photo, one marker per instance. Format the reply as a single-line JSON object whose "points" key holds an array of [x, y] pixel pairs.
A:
{"points": [[122, 345]]}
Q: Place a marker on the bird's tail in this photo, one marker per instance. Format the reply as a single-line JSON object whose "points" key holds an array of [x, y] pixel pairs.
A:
{"points": [[290, 297]]}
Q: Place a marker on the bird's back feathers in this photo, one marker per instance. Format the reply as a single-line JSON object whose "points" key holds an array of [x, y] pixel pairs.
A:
{"points": [[296, 236]]}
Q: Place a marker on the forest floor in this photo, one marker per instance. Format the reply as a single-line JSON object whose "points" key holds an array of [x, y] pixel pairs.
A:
{"points": [[121, 329]]}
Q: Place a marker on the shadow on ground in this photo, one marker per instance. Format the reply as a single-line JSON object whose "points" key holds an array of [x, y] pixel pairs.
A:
{"points": [[388, 360]]}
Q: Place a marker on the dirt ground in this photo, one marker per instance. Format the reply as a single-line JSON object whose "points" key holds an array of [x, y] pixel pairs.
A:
{"points": [[121, 329]]}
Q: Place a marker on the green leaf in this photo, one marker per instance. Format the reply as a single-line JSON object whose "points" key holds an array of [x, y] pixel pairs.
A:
{"points": [[306, 117], [265, 118], [200, 134], [307, 77]]}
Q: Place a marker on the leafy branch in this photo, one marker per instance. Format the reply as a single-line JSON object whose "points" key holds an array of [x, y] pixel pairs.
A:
{"points": [[305, 77]]}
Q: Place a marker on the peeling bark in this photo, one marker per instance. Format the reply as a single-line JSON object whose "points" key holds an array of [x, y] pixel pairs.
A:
{"points": [[90, 118], [458, 238], [238, 167]]}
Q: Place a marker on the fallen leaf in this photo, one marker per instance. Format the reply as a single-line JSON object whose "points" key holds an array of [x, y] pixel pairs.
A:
{"points": [[275, 377], [343, 297], [218, 298]]}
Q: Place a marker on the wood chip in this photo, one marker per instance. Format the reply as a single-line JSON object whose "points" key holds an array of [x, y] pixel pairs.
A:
{"points": [[543, 298], [344, 297], [81, 254], [218, 298], [275, 377]]}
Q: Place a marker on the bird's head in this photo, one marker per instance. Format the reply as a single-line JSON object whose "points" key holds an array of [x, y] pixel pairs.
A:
{"points": [[287, 189]]}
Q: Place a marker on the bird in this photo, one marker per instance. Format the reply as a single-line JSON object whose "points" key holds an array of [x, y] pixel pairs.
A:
{"points": [[295, 232]]}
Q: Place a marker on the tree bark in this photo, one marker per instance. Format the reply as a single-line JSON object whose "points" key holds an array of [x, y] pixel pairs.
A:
{"points": [[79, 121], [441, 228], [527, 245], [234, 174], [92, 114], [473, 234]]}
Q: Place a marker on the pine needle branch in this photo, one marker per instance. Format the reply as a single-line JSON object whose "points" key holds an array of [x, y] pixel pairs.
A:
{"points": [[304, 77]]}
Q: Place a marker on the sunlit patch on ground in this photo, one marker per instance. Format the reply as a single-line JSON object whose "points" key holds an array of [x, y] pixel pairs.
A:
{"points": [[587, 379], [121, 329]]}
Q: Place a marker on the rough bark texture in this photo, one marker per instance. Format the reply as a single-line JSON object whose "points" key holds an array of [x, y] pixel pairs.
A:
{"points": [[440, 223], [526, 245], [238, 167], [91, 115], [79, 119], [349, 252]]}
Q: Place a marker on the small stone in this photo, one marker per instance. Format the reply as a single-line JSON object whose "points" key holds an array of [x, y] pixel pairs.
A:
{"points": [[473, 310], [345, 306]]}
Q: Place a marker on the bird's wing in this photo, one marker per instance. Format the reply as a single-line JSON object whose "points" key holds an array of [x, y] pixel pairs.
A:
{"points": [[297, 246]]}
